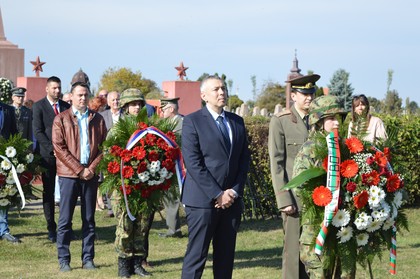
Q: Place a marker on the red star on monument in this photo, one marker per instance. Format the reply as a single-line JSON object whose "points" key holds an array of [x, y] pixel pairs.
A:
{"points": [[37, 66], [181, 71]]}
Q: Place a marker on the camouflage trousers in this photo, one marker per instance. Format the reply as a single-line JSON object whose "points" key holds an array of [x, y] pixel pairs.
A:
{"points": [[313, 263], [131, 237]]}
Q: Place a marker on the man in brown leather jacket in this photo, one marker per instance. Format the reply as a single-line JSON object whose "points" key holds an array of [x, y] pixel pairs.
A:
{"points": [[77, 134]]}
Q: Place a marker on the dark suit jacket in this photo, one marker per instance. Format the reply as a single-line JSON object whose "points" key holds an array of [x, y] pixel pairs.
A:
{"points": [[210, 167], [9, 121], [107, 115], [24, 123], [43, 117]]}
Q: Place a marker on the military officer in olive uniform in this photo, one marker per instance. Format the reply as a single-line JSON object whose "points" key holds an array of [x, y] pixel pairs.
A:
{"points": [[287, 132]]}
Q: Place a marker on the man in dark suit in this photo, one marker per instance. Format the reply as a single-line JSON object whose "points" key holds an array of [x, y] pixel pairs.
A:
{"points": [[7, 129], [216, 155], [44, 112]]}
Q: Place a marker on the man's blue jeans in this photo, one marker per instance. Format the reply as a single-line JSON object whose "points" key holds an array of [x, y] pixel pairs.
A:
{"points": [[4, 226]]}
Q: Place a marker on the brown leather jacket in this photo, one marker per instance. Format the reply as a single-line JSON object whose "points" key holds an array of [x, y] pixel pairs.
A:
{"points": [[65, 139]]}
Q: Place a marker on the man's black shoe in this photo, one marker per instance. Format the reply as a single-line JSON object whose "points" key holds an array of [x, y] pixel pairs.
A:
{"points": [[64, 267], [89, 265], [176, 234], [52, 236], [10, 238]]}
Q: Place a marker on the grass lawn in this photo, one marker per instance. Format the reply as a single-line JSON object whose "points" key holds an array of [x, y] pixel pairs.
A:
{"points": [[258, 253]]}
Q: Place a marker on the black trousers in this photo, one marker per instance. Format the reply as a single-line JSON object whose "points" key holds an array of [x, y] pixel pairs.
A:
{"points": [[48, 204], [219, 226], [70, 190]]}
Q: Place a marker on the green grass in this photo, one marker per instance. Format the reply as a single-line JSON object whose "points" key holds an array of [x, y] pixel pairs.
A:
{"points": [[258, 253]]}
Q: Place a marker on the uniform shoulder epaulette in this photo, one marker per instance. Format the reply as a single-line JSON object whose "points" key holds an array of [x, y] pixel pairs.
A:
{"points": [[283, 112]]}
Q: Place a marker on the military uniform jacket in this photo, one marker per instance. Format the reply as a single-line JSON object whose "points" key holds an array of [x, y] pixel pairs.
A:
{"points": [[24, 122], [287, 133]]}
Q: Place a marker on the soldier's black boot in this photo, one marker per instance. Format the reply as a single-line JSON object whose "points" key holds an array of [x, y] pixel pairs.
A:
{"points": [[124, 267], [138, 269]]}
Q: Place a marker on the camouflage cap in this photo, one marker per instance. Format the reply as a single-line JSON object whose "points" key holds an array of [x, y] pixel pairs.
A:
{"points": [[304, 84], [323, 107], [131, 95]]}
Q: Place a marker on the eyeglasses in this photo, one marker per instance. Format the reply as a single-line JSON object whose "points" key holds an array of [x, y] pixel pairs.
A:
{"points": [[359, 96]]}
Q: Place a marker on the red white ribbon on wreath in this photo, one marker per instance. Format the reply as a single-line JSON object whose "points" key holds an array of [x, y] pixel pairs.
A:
{"points": [[333, 183], [16, 178], [136, 137]]}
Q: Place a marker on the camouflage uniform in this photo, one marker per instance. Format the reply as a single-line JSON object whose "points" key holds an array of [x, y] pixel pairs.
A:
{"points": [[321, 108]]}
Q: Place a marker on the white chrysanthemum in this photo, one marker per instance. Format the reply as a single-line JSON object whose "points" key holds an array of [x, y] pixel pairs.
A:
{"points": [[10, 152], [345, 234], [374, 225], [29, 158], [163, 173], [341, 218], [388, 224], [362, 239], [10, 179], [154, 167], [152, 182], [394, 212], [20, 168], [169, 175], [363, 221], [398, 199], [6, 165], [376, 195], [144, 176], [4, 202], [13, 191], [3, 194]]}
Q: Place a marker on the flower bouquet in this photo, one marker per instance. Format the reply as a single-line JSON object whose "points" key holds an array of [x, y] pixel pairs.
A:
{"points": [[141, 162], [5, 94], [18, 166], [354, 201]]}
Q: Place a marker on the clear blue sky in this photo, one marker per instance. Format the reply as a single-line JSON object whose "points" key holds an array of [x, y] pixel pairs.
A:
{"points": [[239, 38]]}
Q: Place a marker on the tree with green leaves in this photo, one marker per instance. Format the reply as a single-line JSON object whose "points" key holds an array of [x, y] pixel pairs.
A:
{"points": [[339, 86], [272, 93], [375, 104], [392, 103], [234, 102], [119, 79], [254, 87]]}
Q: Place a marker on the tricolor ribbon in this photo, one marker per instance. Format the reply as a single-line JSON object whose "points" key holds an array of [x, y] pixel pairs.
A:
{"points": [[16, 178], [333, 183], [134, 139]]}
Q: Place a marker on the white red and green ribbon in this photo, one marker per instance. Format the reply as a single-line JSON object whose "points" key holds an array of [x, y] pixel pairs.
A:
{"points": [[16, 178], [134, 139], [333, 183]]}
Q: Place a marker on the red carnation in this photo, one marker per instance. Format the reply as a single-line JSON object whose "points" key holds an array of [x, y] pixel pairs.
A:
{"points": [[168, 164], [127, 189], [25, 178], [113, 167], [380, 159], [349, 168], [371, 178], [161, 143], [126, 155], [361, 199], [153, 156], [387, 154], [151, 139], [127, 171], [172, 153], [142, 125], [370, 160], [139, 153], [322, 196], [351, 187], [142, 167], [393, 183], [115, 150], [171, 135], [136, 187], [145, 193], [354, 145]]}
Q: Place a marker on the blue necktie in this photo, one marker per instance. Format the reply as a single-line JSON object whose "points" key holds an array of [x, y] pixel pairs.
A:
{"points": [[224, 130]]}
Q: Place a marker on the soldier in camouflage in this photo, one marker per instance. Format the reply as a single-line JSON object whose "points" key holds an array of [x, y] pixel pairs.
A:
{"points": [[131, 237], [288, 131], [325, 114]]}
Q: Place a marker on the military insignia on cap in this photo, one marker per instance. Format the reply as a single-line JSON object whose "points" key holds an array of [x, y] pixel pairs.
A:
{"points": [[18, 91], [166, 101], [304, 84]]}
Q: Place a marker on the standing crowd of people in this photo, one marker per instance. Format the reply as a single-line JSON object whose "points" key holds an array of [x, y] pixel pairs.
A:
{"points": [[67, 131]]}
